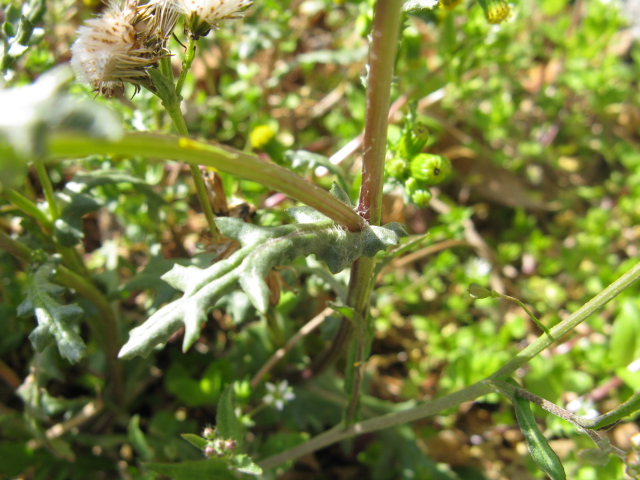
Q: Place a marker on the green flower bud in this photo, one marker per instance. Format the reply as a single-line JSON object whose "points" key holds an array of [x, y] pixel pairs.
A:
{"points": [[413, 140], [411, 186], [430, 169], [495, 11], [396, 167], [478, 291], [421, 197], [363, 25]]}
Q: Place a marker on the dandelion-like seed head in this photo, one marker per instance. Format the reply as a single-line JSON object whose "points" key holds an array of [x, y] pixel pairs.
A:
{"points": [[203, 15], [117, 47]]}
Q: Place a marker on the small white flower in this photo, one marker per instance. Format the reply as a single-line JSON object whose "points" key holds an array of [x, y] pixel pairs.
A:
{"points": [[203, 15], [278, 394], [110, 50]]}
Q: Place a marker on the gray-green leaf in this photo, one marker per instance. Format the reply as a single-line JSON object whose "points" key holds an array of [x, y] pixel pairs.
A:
{"points": [[55, 321], [263, 248]]}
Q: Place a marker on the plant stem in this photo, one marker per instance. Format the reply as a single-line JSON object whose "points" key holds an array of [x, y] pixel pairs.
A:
{"points": [[70, 255], [469, 393], [382, 54], [189, 56], [339, 433], [309, 327], [569, 323], [47, 187], [30, 208], [201, 190], [213, 155]]}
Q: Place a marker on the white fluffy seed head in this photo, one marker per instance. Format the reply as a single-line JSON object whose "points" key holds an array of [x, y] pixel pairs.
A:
{"points": [[108, 51], [204, 15]]}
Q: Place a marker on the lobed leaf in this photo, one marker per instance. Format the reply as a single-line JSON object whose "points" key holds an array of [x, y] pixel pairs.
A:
{"points": [[263, 248], [55, 321]]}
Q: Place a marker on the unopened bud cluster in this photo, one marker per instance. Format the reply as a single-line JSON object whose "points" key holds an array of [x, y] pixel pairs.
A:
{"points": [[131, 36], [495, 11], [417, 171], [217, 447]]}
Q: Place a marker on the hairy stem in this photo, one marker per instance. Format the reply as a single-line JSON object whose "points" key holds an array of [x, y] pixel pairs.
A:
{"points": [[382, 54], [213, 155], [469, 393]]}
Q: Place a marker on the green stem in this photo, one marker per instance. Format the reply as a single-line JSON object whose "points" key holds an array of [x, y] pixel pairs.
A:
{"points": [[472, 392], [393, 419], [189, 56], [213, 155], [382, 54], [103, 327], [201, 190], [47, 187], [30, 208], [569, 323], [531, 315], [70, 255]]}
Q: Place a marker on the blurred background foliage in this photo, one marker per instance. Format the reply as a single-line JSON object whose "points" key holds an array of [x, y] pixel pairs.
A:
{"points": [[540, 117]]}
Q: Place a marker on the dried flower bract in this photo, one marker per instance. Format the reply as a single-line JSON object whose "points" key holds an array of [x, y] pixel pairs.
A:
{"points": [[203, 15], [119, 46]]}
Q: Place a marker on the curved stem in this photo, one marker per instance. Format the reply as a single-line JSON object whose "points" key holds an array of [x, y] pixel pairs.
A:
{"points": [[469, 393], [569, 323], [213, 155]]}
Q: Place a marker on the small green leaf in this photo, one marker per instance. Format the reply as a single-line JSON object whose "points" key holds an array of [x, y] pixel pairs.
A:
{"points": [[344, 310], [55, 321], [625, 337], [68, 228], [228, 426], [543, 455], [195, 440], [194, 470], [137, 438], [244, 464], [166, 89]]}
